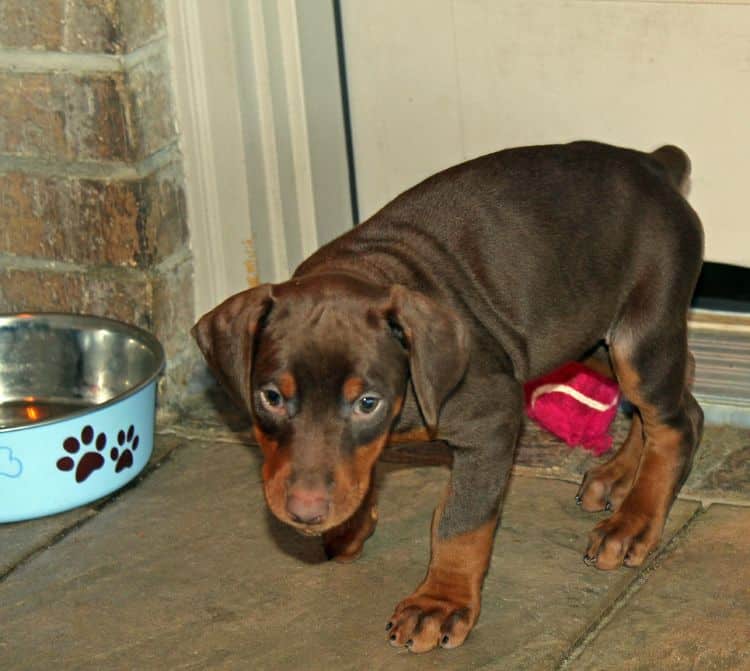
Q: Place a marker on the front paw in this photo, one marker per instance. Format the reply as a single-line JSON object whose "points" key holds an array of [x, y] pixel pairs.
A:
{"points": [[345, 542], [422, 622]]}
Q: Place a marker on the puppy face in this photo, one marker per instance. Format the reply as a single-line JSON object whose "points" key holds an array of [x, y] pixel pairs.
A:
{"points": [[322, 364], [328, 380]]}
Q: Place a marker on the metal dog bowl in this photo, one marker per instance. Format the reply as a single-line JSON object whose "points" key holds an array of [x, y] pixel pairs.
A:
{"points": [[77, 400]]}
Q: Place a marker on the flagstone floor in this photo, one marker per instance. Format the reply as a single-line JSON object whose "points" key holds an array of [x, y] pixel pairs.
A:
{"points": [[185, 569]]}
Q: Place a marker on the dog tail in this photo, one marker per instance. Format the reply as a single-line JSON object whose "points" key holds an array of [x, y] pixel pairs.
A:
{"points": [[676, 164]]}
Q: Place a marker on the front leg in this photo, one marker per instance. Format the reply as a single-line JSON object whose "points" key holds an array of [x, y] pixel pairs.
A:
{"points": [[444, 608]]}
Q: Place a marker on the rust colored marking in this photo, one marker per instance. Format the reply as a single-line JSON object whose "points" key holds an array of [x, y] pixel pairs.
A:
{"points": [[287, 385], [352, 481], [656, 432], [600, 363], [276, 470], [267, 444], [344, 543], [353, 388], [373, 318], [445, 607], [607, 485], [632, 532], [398, 404], [458, 563], [419, 435]]}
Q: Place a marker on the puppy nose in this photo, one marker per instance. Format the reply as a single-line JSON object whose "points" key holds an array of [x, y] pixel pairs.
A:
{"points": [[307, 506]]}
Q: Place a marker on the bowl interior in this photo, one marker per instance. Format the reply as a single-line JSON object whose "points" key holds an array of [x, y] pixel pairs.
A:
{"points": [[52, 365]]}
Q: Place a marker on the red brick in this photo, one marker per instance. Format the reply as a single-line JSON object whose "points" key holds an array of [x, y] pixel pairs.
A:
{"points": [[64, 116], [110, 27], [149, 86], [141, 21], [31, 24], [97, 119], [173, 307], [84, 26], [164, 214], [123, 296], [97, 222], [111, 116], [93, 26], [32, 116]]}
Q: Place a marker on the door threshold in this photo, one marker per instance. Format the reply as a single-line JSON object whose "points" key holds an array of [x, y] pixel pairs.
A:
{"points": [[720, 342]]}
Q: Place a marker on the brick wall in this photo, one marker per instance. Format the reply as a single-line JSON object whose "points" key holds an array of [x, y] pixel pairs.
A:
{"points": [[92, 206]]}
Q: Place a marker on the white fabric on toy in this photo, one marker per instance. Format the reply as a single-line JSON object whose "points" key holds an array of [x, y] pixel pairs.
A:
{"points": [[574, 393]]}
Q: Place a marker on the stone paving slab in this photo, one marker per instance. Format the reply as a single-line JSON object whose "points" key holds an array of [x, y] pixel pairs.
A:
{"points": [[212, 411], [21, 539], [187, 570], [721, 470], [18, 540], [693, 613]]}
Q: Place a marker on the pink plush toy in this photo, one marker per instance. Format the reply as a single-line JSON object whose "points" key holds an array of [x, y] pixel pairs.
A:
{"points": [[576, 404]]}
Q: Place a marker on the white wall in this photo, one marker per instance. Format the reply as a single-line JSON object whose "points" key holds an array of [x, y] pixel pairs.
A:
{"points": [[433, 82]]}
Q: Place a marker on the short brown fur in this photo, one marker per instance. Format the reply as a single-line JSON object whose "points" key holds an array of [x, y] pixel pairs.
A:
{"points": [[443, 305]]}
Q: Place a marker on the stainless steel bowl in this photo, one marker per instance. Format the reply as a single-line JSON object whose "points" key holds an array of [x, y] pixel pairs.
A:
{"points": [[76, 393]]}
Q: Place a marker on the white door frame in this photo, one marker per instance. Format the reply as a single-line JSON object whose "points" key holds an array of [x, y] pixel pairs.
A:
{"points": [[258, 100]]}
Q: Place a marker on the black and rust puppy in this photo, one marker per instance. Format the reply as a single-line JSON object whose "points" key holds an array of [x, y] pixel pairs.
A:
{"points": [[427, 319]]}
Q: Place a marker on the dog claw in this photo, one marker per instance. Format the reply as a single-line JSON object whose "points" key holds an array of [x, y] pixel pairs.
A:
{"points": [[579, 499], [608, 506], [389, 626], [589, 561], [444, 640]]}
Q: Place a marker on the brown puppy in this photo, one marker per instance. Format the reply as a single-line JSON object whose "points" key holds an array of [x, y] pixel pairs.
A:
{"points": [[430, 316]]}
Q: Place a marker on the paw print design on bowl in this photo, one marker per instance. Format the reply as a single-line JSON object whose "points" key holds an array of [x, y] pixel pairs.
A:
{"points": [[123, 454], [87, 461]]}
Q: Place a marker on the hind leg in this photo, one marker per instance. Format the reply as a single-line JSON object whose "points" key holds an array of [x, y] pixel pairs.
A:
{"points": [[651, 363], [604, 487]]}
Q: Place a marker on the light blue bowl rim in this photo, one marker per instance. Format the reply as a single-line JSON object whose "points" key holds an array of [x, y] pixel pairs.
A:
{"points": [[86, 321]]}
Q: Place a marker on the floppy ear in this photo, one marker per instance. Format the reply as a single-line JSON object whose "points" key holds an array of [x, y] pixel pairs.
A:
{"points": [[226, 337], [438, 348]]}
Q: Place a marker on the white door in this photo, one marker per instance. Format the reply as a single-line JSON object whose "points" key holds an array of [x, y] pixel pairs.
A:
{"points": [[259, 102], [434, 82]]}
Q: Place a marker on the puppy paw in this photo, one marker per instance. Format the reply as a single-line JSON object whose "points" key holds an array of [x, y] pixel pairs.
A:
{"points": [[423, 622], [624, 538], [346, 542], [604, 487]]}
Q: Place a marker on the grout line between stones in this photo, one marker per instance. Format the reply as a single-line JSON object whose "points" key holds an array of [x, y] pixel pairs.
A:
{"points": [[140, 168], [518, 470], [607, 615], [95, 509], [693, 496], [203, 434], [79, 62], [167, 264]]}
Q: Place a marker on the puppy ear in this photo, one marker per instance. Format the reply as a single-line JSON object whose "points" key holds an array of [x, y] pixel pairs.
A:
{"points": [[226, 337], [438, 348]]}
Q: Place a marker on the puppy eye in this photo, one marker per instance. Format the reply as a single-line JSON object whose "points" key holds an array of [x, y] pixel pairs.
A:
{"points": [[367, 404], [272, 399]]}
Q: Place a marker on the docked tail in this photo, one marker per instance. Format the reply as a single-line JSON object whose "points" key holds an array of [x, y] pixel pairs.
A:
{"points": [[676, 164]]}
